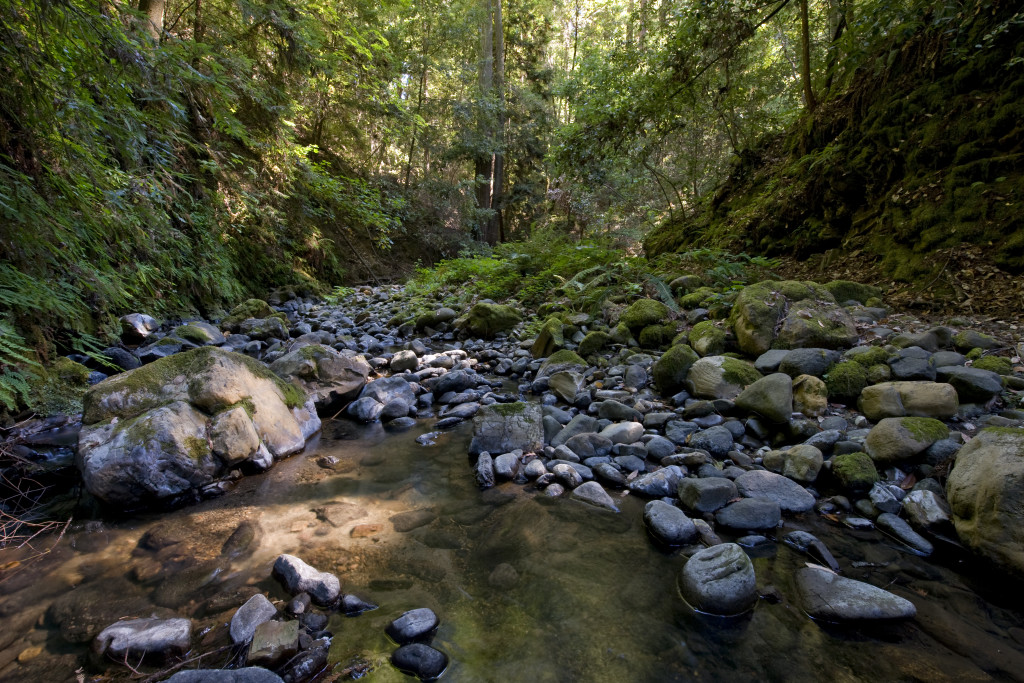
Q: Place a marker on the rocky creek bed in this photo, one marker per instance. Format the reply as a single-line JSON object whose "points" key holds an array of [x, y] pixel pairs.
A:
{"points": [[584, 499]]}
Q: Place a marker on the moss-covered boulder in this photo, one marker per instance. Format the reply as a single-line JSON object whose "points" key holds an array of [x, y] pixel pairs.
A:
{"points": [[550, 338], [642, 313], [985, 491], [562, 360], [670, 371], [996, 364], [846, 290], [147, 433], [720, 377], [846, 380], [656, 336], [966, 340], [488, 320], [434, 319], [789, 315], [810, 396], [59, 388], [594, 342], [895, 439], [708, 338], [696, 298], [685, 284], [855, 472], [504, 427], [250, 308], [770, 397], [914, 399], [867, 355], [199, 333], [264, 328], [620, 334]]}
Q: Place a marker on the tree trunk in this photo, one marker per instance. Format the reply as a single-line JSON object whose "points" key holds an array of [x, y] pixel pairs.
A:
{"points": [[154, 21], [419, 103], [494, 234], [805, 57], [485, 159]]}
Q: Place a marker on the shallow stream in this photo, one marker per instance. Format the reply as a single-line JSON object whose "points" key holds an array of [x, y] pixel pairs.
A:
{"points": [[527, 588]]}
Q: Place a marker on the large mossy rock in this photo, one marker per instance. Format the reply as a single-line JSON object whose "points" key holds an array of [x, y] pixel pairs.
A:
{"points": [[505, 427], [720, 377], [160, 431], [488, 320], [671, 369], [985, 491], [915, 399], [898, 438], [789, 315], [248, 310], [327, 375], [549, 339], [642, 313], [847, 290]]}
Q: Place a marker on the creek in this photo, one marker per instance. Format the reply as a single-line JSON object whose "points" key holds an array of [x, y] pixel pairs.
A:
{"points": [[527, 588]]}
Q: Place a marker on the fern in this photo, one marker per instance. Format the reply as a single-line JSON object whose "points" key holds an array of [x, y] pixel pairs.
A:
{"points": [[14, 355], [663, 291]]}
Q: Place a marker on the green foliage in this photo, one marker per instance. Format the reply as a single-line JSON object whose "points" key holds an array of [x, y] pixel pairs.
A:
{"points": [[338, 294], [17, 362]]}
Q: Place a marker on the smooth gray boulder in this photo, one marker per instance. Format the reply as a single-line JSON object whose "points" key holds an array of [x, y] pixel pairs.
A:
{"points": [[298, 577], [901, 531], [828, 596], [908, 399], [668, 524], [770, 397], [973, 385], [706, 494], [750, 514], [898, 438], [593, 493], [791, 496], [719, 580], [137, 638], [329, 376], [249, 674], [254, 612], [412, 625], [663, 482]]}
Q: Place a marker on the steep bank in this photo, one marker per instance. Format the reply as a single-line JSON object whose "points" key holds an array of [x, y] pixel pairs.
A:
{"points": [[922, 152]]}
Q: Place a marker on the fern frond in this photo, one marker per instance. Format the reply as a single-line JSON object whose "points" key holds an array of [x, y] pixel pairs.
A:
{"points": [[663, 291]]}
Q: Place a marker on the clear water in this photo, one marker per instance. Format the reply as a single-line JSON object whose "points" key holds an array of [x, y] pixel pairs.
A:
{"points": [[527, 588]]}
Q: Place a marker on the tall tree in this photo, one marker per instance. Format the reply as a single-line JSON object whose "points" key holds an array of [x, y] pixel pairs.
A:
{"points": [[154, 17]]}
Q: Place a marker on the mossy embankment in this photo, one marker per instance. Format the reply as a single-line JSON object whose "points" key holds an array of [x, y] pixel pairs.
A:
{"points": [[922, 151]]}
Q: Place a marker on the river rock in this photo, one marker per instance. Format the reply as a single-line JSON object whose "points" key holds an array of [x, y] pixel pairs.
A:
{"points": [[808, 543], [826, 595], [790, 496], [802, 463], [414, 625], [717, 377], [972, 385], [145, 434], [262, 329], [488, 320], [298, 577], [134, 638], [926, 509], [985, 491], [913, 399], [706, 494], [506, 466], [615, 411], [249, 674], [273, 643], [668, 524], [770, 397], [789, 314], [580, 424], [403, 360], [717, 441], [593, 493], [420, 660], [505, 427], [898, 438], [658, 484], [810, 396], [750, 514], [566, 384], [901, 531], [135, 327], [814, 362], [623, 432], [329, 376], [250, 615], [484, 470], [719, 580]]}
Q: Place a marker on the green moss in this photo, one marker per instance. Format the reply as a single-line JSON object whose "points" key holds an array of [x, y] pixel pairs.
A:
{"points": [[250, 308], [707, 338], [996, 364], [656, 336], [508, 409], [197, 448], [925, 429], [621, 334], [739, 372], [669, 372], [975, 354], [695, 298], [879, 373], [487, 320], [867, 355], [846, 290], [550, 338], [169, 341], [593, 343], [855, 471], [59, 388], [192, 334], [562, 356], [846, 380], [644, 312]]}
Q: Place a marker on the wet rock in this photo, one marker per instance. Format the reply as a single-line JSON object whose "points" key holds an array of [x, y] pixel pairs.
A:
{"points": [[353, 605], [589, 445], [886, 497], [593, 493], [717, 441], [567, 474], [160, 638], [809, 544], [808, 361], [566, 384], [770, 397], [250, 674], [706, 495], [926, 509], [719, 580], [898, 438], [405, 522], [855, 472], [661, 483], [749, 514], [135, 327], [484, 470], [790, 496], [623, 432], [826, 595], [901, 531], [404, 360], [506, 466], [420, 660], [617, 412], [505, 427], [298, 577], [273, 643], [414, 625], [668, 524], [250, 615], [308, 663]]}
